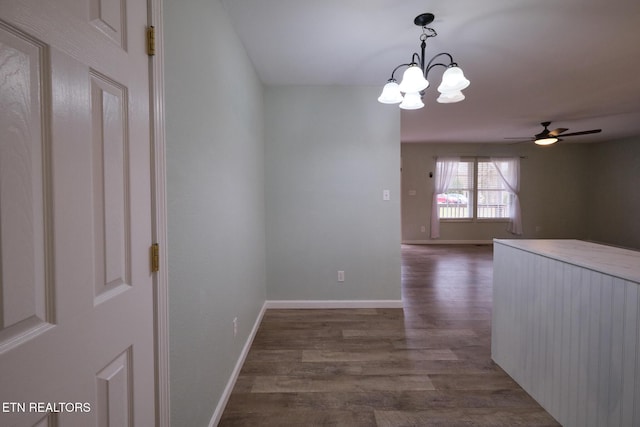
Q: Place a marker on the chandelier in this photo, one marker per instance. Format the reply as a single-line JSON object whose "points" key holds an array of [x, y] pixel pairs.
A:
{"points": [[414, 80]]}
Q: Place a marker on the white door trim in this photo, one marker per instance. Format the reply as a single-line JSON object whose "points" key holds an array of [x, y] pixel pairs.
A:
{"points": [[159, 220]]}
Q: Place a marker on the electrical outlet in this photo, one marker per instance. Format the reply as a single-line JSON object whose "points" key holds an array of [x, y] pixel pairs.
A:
{"points": [[386, 195], [235, 326], [340, 276]]}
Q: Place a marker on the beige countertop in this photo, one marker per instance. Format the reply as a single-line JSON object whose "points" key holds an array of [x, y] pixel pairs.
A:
{"points": [[611, 260]]}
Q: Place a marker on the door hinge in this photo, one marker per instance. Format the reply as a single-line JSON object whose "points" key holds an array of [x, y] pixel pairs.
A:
{"points": [[151, 40], [155, 258]]}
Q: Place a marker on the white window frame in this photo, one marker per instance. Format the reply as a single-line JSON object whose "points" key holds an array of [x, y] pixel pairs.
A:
{"points": [[473, 200], [470, 198]]}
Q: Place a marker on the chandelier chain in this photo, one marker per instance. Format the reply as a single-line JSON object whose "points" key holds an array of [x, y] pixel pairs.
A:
{"points": [[424, 34]]}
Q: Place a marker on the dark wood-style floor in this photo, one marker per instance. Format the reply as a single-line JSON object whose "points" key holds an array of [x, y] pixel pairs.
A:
{"points": [[427, 365]]}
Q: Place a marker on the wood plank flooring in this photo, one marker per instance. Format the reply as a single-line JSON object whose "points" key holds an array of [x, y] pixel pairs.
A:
{"points": [[427, 365]]}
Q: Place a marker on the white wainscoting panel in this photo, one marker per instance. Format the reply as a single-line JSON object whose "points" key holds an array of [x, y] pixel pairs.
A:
{"points": [[568, 334]]}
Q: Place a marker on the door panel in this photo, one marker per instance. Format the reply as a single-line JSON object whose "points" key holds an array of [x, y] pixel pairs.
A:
{"points": [[110, 186], [24, 284], [109, 17], [75, 214], [114, 392]]}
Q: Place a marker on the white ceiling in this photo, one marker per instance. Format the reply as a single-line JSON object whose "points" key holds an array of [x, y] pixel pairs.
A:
{"points": [[573, 62]]}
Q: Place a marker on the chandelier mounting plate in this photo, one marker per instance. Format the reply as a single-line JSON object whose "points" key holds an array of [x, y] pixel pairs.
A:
{"points": [[424, 19]]}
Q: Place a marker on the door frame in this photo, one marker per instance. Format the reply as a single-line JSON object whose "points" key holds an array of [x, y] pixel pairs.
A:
{"points": [[159, 217]]}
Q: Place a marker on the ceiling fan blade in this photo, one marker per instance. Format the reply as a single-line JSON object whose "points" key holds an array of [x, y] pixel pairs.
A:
{"points": [[558, 131], [584, 132]]}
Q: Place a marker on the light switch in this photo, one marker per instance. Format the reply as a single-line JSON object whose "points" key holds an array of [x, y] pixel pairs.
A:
{"points": [[386, 195]]}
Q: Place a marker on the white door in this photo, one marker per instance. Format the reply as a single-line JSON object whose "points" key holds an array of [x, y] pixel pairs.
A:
{"points": [[76, 313]]}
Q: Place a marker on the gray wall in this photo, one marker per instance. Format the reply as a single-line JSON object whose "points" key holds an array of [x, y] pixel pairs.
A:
{"points": [[330, 153], [553, 194], [216, 212], [326, 153], [614, 210]]}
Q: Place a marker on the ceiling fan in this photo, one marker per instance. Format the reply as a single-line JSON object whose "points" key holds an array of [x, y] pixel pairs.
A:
{"points": [[547, 137]]}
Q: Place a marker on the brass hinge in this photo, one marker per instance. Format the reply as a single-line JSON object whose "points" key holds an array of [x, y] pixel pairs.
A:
{"points": [[155, 258], [151, 40]]}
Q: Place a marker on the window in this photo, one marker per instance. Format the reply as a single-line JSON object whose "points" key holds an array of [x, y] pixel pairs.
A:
{"points": [[457, 202], [476, 190], [494, 200]]}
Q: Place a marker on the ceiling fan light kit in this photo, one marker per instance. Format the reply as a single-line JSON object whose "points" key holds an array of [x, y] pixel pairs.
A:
{"points": [[414, 80], [547, 137], [546, 141]]}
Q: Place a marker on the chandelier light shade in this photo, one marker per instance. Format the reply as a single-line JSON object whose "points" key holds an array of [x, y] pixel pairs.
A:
{"points": [[414, 80], [450, 97], [391, 93], [453, 80], [412, 101]]}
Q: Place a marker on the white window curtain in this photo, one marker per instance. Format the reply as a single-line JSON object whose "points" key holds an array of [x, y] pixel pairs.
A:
{"points": [[509, 171], [444, 172]]}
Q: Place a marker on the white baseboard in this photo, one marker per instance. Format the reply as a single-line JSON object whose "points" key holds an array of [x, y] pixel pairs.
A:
{"points": [[215, 419], [447, 242], [292, 304]]}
